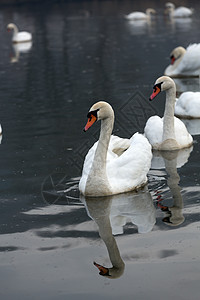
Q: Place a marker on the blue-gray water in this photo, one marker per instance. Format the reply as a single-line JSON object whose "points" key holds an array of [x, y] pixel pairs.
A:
{"points": [[82, 52]]}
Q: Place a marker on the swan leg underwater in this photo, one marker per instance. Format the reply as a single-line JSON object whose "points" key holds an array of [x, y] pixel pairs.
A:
{"points": [[113, 165]]}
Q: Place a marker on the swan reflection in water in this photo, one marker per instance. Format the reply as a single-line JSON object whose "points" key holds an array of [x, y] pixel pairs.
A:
{"points": [[20, 48], [111, 214], [140, 27], [170, 161]]}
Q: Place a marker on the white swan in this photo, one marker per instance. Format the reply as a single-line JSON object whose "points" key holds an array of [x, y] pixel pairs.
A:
{"points": [[179, 12], [188, 105], [137, 15], [19, 37], [105, 171], [184, 62], [168, 133]]}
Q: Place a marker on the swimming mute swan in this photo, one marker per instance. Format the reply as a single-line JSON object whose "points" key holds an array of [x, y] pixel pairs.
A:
{"points": [[184, 62], [19, 37], [137, 15], [105, 171], [188, 105], [179, 12], [168, 133]]}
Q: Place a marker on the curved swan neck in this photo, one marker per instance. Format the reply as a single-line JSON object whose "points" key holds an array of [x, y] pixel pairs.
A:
{"points": [[15, 29], [104, 139], [168, 120], [180, 52], [97, 181], [171, 11], [149, 11]]}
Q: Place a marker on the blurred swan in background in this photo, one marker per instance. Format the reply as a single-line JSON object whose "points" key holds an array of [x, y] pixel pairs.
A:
{"points": [[184, 62], [167, 133], [137, 15], [188, 105], [179, 12], [113, 165], [19, 37]]}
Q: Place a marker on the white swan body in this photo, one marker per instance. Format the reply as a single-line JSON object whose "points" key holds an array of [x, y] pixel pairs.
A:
{"points": [[105, 171], [19, 37], [188, 105], [137, 15], [184, 62], [179, 12], [167, 133]]}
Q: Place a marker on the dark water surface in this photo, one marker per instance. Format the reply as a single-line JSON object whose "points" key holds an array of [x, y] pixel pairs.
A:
{"points": [[82, 52]]}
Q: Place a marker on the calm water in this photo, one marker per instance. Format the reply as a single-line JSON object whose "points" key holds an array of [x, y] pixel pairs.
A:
{"points": [[83, 52]]}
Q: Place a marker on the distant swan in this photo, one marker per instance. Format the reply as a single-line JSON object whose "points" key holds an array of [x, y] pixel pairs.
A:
{"points": [[105, 171], [19, 37], [137, 15], [184, 62], [180, 12], [168, 133], [188, 105]]}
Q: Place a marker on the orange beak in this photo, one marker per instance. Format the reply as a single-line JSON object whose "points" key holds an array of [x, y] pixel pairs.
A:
{"points": [[156, 91], [172, 59], [103, 271], [91, 120]]}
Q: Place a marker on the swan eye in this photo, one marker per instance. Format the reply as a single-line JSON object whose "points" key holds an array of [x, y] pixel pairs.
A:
{"points": [[92, 113], [92, 118], [156, 90]]}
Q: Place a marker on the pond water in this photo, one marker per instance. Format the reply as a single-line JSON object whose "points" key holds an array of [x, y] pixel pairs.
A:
{"points": [[83, 52]]}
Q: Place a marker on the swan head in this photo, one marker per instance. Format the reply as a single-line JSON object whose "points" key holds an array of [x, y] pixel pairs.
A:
{"points": [[150, 11], [99, 111], [163, 83], [177, 53], [11, 26], [169, 5], [110, 273]]}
